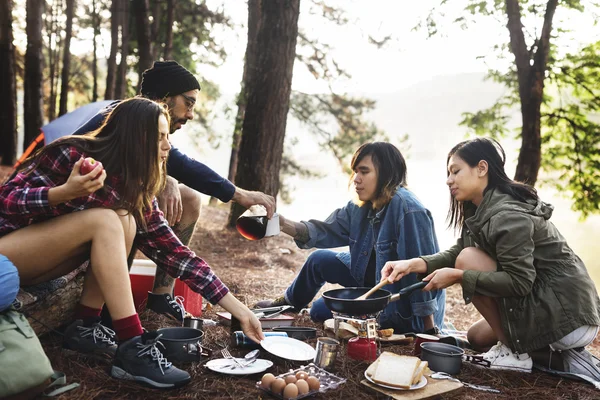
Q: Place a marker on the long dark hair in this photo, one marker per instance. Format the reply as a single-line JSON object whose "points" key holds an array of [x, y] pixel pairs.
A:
{"points": [[127, 145], [472, 151], [390, 166]]}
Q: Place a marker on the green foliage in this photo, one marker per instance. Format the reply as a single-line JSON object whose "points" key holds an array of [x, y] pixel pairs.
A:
{"points": [[571, 103], [337, 121]]}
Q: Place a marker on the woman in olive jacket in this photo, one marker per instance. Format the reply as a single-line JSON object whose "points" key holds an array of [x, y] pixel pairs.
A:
{"points": [[531, 289]]}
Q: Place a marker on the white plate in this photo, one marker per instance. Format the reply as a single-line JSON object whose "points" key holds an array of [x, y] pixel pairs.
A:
{"points": [[418, 385], [224, 366], [288, 348]]}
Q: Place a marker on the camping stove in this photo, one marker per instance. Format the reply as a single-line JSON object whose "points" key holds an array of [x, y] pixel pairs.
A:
{"points": [[363, 347]]}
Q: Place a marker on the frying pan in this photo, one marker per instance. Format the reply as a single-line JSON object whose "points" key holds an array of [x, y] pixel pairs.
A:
{"points": [[344, 300]]}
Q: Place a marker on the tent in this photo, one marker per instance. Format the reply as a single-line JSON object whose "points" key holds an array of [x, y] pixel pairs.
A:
{"points": [[62, 126]]}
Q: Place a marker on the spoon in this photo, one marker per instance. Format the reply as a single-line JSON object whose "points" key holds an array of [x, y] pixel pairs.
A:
{"points": [[373, 290], [249, 359], [443, 375]]}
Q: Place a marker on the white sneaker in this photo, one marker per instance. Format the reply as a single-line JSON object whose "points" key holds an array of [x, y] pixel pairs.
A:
{"points": [[502, 357]]}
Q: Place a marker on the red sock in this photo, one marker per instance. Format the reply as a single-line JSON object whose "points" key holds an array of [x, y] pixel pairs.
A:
{"points": [[128, 327], [85, 312]]}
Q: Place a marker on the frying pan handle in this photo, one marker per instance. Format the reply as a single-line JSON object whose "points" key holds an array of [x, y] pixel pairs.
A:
{"points": [[408, 290], [412, 288]]}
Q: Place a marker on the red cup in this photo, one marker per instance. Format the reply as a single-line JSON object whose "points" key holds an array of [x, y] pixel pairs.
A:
{"points": [[422, 338]]}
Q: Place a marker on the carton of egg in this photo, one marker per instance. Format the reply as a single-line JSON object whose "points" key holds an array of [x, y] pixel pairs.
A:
{"points": [[299, 383]]}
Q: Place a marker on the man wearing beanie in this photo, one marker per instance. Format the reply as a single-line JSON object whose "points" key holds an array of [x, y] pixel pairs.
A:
{"points": [[173, 84]]}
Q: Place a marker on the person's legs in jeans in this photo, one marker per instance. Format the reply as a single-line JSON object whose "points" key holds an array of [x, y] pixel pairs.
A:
{"points": [[9, 282], [321, 267]]}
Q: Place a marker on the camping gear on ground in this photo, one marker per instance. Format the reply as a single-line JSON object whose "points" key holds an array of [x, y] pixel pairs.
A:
{"points": [[318, 381], [422, 338], [182, 344], [442, 357], [443, 375], [196, 323], [228, 366], [23, 363], [297, 332], [326, 353], [239, 339], [433, 389], [345, 300], [288, 348]]}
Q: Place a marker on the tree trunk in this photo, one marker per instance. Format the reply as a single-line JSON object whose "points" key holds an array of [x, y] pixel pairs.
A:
{"points": [[267, 87], [96, 27], [53, 48], [111, 67], [253, 25], [168, 53], [142, 25], [121, 85], [8, 102], [531, 77], [32, 88], [155, 28], [66, 67]]}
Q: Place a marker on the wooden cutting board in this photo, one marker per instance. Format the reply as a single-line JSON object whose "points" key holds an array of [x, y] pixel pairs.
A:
{"points": [[434, 388]]}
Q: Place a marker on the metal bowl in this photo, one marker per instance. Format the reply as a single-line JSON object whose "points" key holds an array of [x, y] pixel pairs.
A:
{"points": [[182, 344], [442, 357]]}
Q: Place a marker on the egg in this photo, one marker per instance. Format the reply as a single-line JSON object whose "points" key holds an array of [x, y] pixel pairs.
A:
{"points": [[290, 379], [290, 391], [267, 380], [313, 383], [301, 375], [277, 386], [302, 386]]}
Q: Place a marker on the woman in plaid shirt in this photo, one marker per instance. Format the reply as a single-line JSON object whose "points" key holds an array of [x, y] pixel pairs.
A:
{"points": [[52, 218]]}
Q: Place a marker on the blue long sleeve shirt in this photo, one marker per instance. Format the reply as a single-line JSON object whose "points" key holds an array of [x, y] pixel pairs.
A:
{"points": [[186, 170]]}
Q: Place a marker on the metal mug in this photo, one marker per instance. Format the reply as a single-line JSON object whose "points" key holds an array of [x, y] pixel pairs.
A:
{"points": [[327, 349], [195, 323], [422, 338]]}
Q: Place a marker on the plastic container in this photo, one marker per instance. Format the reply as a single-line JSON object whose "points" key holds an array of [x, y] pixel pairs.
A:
{"points": [[328, 381]]}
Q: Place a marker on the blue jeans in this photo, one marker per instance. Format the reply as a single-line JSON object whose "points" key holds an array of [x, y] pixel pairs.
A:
{"points": [[320, 267], [9, 282]]}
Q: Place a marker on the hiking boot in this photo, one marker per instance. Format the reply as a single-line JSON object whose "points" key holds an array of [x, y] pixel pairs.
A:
{"points": [[140, 359], [95, 340], [278, 302], [167, 305], [502, 357]]}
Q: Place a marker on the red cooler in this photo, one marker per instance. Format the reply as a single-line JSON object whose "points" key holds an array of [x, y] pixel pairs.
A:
{"points": [[142, 278]]}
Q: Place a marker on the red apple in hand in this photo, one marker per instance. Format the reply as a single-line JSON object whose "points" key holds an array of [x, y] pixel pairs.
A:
{"points": [[89, 164]]}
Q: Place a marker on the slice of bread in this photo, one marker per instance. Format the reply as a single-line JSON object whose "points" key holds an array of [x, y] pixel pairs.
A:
{"points": [[395, 370], [372, 368], [419, 372]]}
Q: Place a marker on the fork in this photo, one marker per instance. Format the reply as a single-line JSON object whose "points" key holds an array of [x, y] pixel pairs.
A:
{"points": [[226, 354]]}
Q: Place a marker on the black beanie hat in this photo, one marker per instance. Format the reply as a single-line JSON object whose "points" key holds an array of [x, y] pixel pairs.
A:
{"points": [[167, 78]]}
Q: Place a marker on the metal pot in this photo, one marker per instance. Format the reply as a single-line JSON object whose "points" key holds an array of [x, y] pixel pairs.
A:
{"points": [[195, 323], [345, 300], [442, 357], [182, 344]]}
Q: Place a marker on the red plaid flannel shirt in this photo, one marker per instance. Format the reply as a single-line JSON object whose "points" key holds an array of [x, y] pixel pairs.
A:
{"points": [[24, 201]]}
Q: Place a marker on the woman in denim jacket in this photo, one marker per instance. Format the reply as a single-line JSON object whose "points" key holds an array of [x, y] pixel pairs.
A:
{"points": [[386, 222]]}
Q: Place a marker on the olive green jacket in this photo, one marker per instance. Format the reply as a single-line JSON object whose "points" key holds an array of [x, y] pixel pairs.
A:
{"points": [[543, 289]]}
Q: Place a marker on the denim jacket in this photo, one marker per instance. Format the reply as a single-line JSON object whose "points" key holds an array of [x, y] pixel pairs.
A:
{"points": [[403, 229]]}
